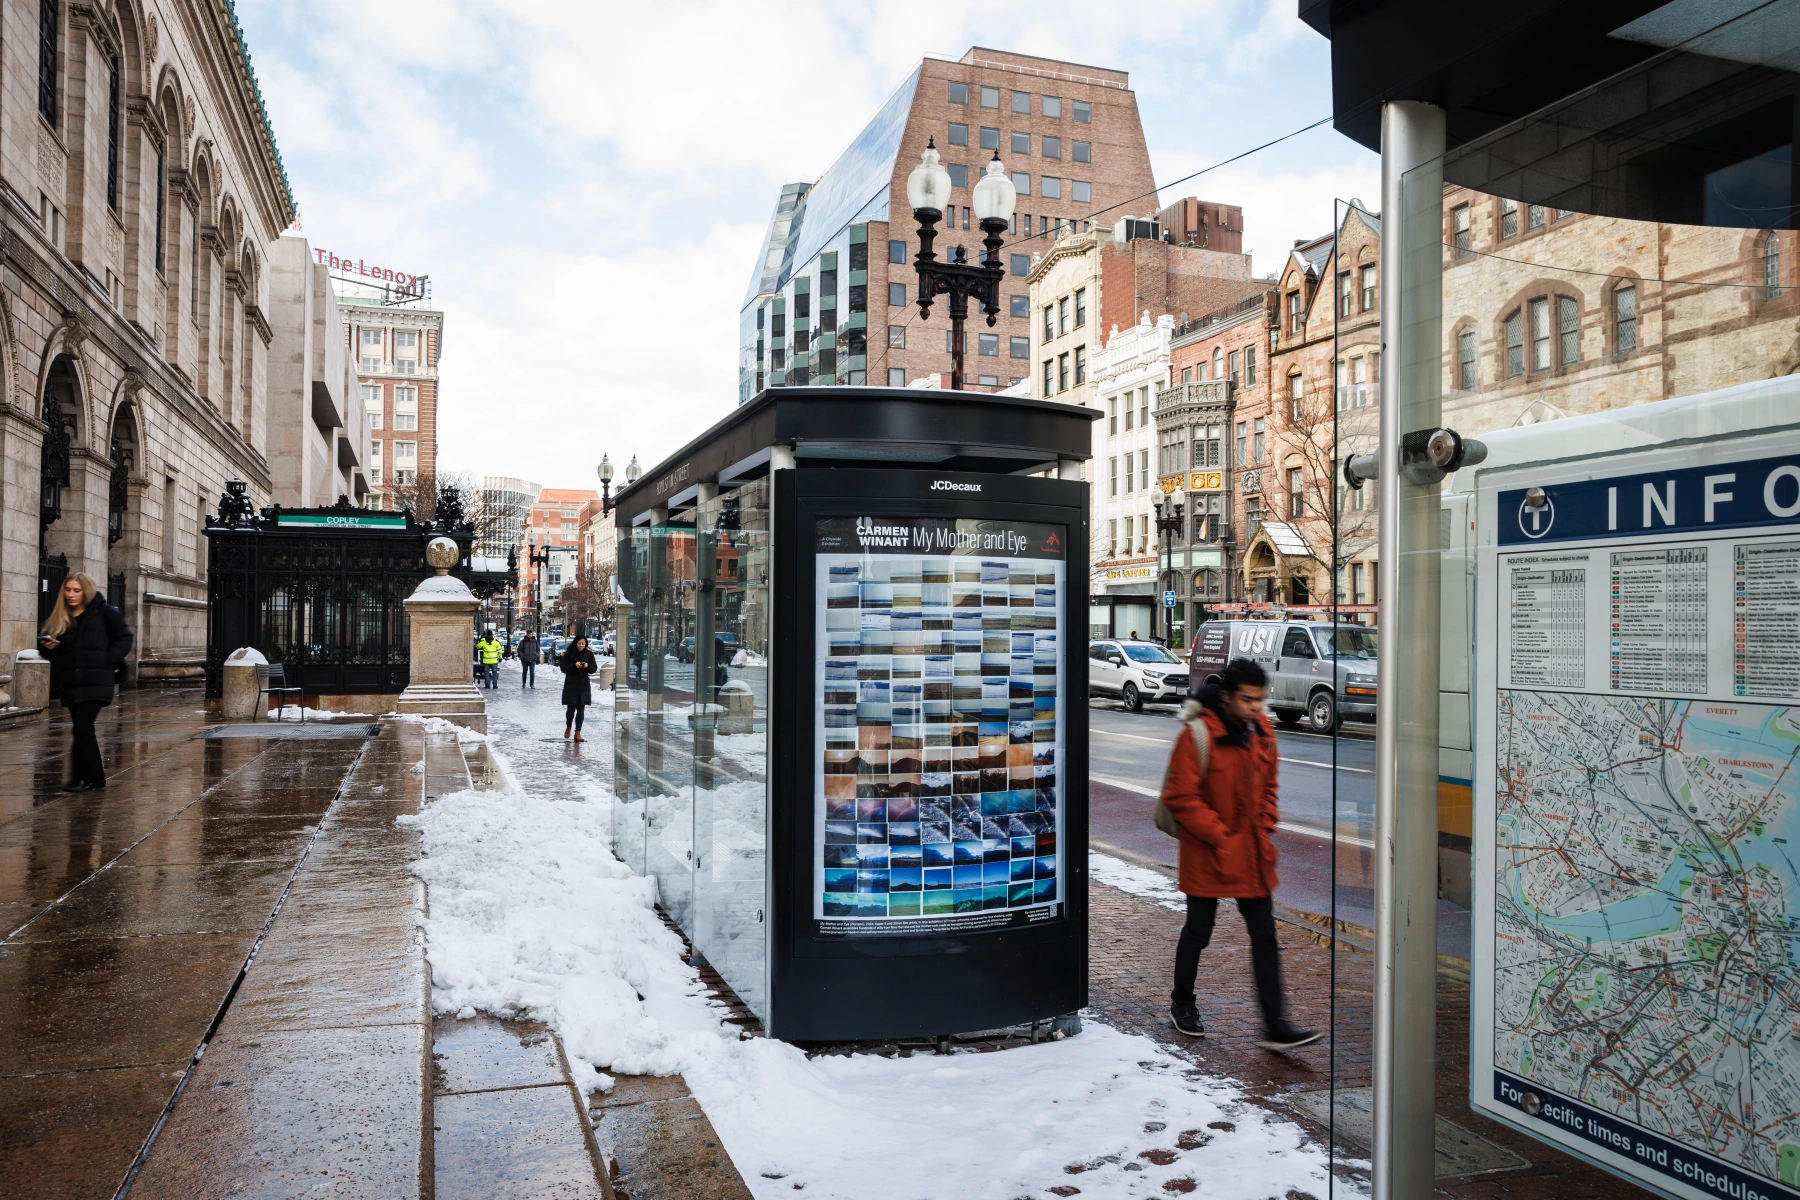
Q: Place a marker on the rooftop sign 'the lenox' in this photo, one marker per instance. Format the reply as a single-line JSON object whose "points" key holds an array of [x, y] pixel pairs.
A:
{"points": [[356, 266]]}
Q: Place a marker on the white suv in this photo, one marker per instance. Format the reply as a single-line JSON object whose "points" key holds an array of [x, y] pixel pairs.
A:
{"points": [[1136, 673]]}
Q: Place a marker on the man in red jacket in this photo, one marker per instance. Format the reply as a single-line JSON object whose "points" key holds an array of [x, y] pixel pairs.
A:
{"points": [[1226, 851]]}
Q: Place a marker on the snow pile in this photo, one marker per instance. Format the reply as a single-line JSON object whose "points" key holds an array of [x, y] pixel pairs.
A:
{"points": [[293, 712], [246, 656], [464, 735], [1138, 881], [532, 915]]}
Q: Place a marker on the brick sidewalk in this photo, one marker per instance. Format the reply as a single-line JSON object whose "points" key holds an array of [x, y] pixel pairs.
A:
{"points": [[1131, 947]]}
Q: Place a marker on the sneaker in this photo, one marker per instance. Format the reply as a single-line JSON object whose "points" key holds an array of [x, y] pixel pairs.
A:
{"points": [[1287, 1037], [1186, 1019]]}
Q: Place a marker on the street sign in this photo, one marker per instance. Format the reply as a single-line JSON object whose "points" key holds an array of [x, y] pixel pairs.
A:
{"points": [[335, 521], [1168, 599]]}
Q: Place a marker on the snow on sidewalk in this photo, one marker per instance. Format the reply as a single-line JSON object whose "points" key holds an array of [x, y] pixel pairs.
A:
{"points": [[532, 915]]}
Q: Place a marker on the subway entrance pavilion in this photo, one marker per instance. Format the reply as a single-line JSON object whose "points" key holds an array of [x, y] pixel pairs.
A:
{"points": [[853, 619]]}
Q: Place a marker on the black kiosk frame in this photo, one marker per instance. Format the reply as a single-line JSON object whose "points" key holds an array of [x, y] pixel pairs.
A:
{"points": [[852, 621]]}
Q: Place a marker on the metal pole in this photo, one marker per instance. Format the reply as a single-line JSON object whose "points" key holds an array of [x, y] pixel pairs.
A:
{"points": [[1406, 724]]}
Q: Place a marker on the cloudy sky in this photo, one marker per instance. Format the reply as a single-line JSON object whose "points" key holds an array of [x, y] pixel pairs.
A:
{"points": [[587, 184]]}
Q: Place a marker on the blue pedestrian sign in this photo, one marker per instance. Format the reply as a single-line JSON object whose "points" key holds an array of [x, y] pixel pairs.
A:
{"points": [[1168, 599]]}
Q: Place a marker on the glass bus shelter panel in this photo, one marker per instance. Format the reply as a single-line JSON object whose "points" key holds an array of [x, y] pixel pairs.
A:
{"points": [[671, 724], [1571, 346], [631, 745], [731, 732]]}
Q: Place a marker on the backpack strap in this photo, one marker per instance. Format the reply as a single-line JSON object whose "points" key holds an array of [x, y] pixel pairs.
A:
{"points": [[1191, 716]]}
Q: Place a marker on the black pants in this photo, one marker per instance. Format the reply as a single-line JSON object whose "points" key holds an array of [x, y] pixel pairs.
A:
{"points": [[574, 716], [1265, 954], [84, 758], [527, 675]]}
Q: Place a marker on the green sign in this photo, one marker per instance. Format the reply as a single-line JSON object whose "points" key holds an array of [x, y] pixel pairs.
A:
{"points": [[334, 521]]}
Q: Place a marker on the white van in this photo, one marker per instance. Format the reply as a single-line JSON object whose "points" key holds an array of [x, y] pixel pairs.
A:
{"points": [[1319, 671], [1137, 673]]}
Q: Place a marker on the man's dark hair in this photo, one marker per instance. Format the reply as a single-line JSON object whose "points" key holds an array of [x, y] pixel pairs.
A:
{"points": [[1243, 672]]}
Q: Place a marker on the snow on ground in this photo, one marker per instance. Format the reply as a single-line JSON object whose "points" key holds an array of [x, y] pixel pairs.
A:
{"points": [[293, 712], [531, 914], [1138, 881]]}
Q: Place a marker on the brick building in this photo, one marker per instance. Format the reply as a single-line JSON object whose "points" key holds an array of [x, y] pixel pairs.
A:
{"points": [[395, 349], [141, 185], [833, 295], [553, 524]]}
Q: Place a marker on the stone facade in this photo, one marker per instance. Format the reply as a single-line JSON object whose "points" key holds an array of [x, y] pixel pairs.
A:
{"points": [[139, 189], [319, 444], [393, 351], [1129, 371]]}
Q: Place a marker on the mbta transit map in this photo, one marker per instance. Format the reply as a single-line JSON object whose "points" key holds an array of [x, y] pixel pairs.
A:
{"points": [[1647, 888]]}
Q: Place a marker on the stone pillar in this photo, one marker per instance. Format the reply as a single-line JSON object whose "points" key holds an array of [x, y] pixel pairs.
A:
{"points": [[442, 669], [127, 557], [80, 532], [31, 680], [622, 609]]}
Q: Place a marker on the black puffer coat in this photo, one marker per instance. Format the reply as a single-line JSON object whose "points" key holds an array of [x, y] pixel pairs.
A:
{"points": [[88, 654], [577, 665]]}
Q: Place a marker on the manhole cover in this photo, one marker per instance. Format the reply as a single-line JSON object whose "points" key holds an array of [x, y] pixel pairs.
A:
{"points": [[1459, 1152]]}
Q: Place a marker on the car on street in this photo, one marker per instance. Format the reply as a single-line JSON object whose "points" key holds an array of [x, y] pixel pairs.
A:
{"points": [[1135, 673], [1318, 671]]}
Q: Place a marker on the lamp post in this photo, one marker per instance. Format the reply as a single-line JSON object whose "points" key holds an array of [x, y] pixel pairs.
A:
{"points": [[512, 588], [632, 471], [928, 191], [606, 474], [1166, 526], [537, 561]]}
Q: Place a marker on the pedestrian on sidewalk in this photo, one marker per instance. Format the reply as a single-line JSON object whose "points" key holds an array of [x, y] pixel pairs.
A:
{"points": [[488, 650], [577, 665], [528, 660], [1220, 788], [86, 640]]}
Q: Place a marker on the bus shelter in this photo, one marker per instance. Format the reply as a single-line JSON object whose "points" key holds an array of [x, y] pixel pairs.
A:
{"points": [[850, 618]]}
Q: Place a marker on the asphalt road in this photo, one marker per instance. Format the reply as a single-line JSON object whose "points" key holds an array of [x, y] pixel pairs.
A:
{"points": [[1318, 874]]}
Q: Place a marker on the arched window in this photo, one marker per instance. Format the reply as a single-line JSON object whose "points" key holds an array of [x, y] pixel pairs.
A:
{"points": [[1218, 366], [1624, 314], [1515, 343]]}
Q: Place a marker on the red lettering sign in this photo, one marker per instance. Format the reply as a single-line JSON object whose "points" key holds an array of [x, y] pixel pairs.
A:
{"points": [[366, 270]]}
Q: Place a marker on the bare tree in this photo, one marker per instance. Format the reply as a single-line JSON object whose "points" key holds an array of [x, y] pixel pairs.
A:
{"points": [[1335, 530]]}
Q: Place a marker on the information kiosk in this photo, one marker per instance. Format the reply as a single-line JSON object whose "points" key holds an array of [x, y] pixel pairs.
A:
{"points": [[851, 621], [1636, 720]]}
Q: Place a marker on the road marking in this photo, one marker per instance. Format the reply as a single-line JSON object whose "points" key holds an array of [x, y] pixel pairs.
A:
{"points": [[1302, 762], [1311, 831]]}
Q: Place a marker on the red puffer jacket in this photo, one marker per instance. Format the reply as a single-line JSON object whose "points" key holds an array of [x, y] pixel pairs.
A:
{"points": [[1226, 851]]}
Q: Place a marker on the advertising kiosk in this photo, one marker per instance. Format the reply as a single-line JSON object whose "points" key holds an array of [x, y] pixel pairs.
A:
{"points": [[850, 622]]}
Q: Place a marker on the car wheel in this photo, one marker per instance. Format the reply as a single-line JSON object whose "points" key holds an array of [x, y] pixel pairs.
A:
{"points": [[1287, 717], [1133, 701], [1322, 713]]}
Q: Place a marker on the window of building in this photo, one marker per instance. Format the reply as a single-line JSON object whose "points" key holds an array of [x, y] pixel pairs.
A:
{"points": [[1171, 454], [1459, 225], [1515, 343], [405, 396], [896, 337], [1465, 360], [1081, 191], [859, 297], [1080, 307], [1296, 394], [371, 394], [1343, 386], [1080, 365], [1128, 520], [375, 419], [1534, 216], [370, 366], [897, 295], [1112, 416], [990, 97], [1625, 319], [802, 306], [1368, 289], [1052, 106], [1062, 372], [1359, 383], [959, 134], [1021, 102], [1049, 322], [1256, 441], [1346, 295], [371, 341], [49, 21], [1062, 316], [403, 420], [1019, 347], [1540, 334], [828, 284], [1021, 183], [896, 252], [1050, 188], [405, 340], [988, 345], [406, 451], [1052, 147], [1019, 306], [1242, 450], [1568, 331], [1771, 266], [859, 256], [1509, 219], [1021, 264], [1021, 142], [990, 138], [1144, 407], [1144, 469], [1083, 112], [1250, 367], [1208, 445], [112, 135], [959, 92], [959, 176], [897, 377], [1296, 317], [1296, 490], [1049, 376], [1112, 465]]}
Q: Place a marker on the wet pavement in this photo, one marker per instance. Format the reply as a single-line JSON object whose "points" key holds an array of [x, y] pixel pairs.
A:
{"points": [[129, 915]]}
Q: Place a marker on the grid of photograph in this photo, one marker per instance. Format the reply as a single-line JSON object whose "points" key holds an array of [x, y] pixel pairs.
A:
{"points": [[939, 735]]}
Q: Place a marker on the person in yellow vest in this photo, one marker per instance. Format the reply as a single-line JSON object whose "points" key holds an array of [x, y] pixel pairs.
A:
{"points": [[489, 650]]}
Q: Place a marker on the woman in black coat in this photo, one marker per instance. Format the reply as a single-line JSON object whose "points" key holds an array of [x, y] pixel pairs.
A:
{"points": [[577, 664], [85, 640]]}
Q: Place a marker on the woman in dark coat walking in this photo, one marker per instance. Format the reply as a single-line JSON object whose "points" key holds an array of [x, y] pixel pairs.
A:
{"points": [[85, 640], [577, 664]]}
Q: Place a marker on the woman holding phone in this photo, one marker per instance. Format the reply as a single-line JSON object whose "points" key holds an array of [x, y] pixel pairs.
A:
{"points": [[578, 664], [85, 640]]}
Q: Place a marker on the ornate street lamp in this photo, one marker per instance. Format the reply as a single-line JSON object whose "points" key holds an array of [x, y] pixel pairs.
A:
{"points": [[606, 474], [928, 191], [632, 471], [538, 562], [1168, 522]]}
